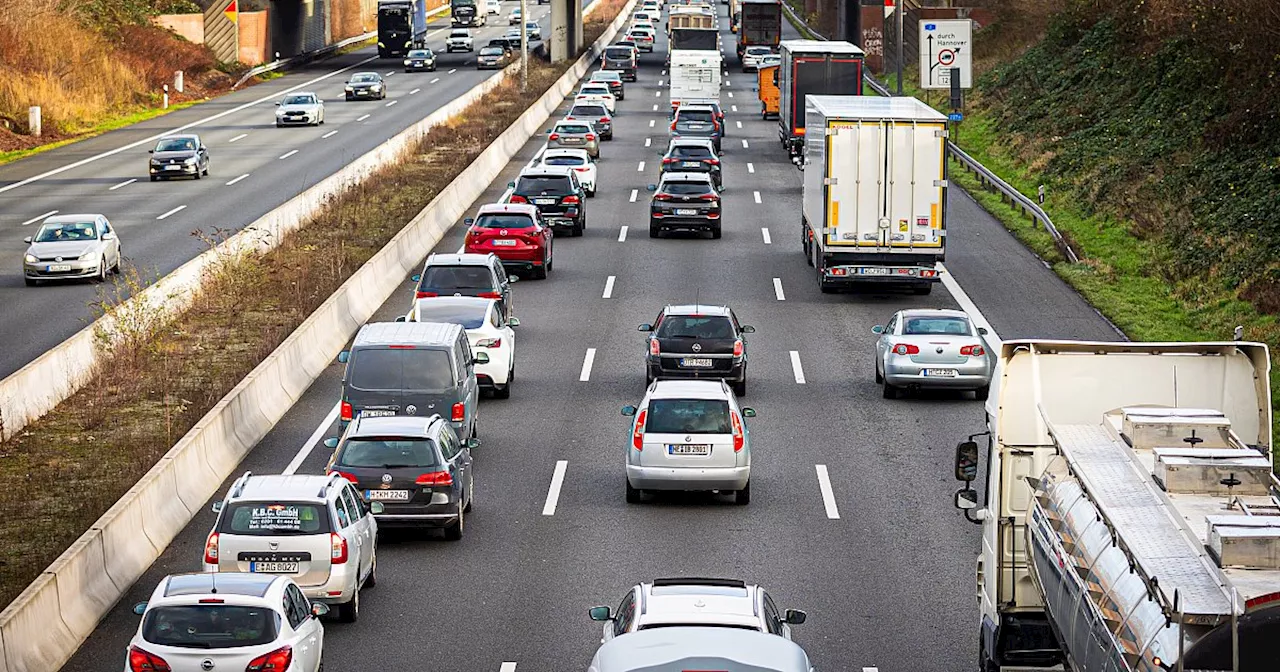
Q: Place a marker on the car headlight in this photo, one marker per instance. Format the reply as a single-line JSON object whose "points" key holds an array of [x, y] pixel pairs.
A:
{"points": [[189, 161], [88, 254], [406, 61], [349, 89], [377, 87], [30, 259], [279, 113]]}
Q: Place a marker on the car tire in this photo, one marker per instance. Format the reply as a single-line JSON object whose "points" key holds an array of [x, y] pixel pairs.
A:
{"points": [[591, 193], [349, 612], [879, 376], [715, 233], [30, 282], [455, 532], [102, 271], [155, 178], [888, 391], [633, 496], [743, 497], [198, 172], [348, 99], [576, 232], [471, 490], [655, 231], [982, 393], [279, 125], [740, 387], [922, 290], [372, 580]]}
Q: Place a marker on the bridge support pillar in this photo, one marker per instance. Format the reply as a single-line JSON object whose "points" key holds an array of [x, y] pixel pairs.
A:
{"points": [[566, 29]]}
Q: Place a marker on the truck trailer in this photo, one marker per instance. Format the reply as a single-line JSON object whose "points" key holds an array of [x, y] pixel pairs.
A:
{"points": [[811, 68], [467, 14], [402, 26], [874, 191], [695, 77], [694, 39], [689, 17], [760, 25], [1131, 515]]}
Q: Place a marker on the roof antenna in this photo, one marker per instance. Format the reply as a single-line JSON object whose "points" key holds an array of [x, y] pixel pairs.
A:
{"points": [[696, 307], [213, 579]]}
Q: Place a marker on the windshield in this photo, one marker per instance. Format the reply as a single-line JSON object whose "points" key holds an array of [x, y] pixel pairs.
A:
{"points": [[176, 145], [271, 518], [460, 33], [417, 370], [491, 51], [469, 316], [598, 89], [387, 453], [53, 233], [420, 53], [360, 79], [688, 416], [299, 100], [951, 326], [543, 184], [500, 222], [606, 77], [695, 326], [757, 51], [564, 161], [210, 626], [458, 277], [686, 188]]}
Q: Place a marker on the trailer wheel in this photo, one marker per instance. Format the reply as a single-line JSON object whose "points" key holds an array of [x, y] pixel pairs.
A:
{"points": [[922, 290]]}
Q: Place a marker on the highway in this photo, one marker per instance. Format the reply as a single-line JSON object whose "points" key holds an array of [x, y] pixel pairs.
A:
{"points": [[254, 167], [884, 565]]}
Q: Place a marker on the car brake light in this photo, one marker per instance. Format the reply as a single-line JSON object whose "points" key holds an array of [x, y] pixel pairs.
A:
{"points": [[554, 136], [673, 126], [973, 350], [737, 348], [713, 162], [637, 434], [905, 349], [489, 343], [276, 661], [654, 347], [211, 549], [582, 169], [145, 661], [709, 197], [489, 295], [337, 549], [666, 161], [605, 120], [424, 295], [212, 600], [570, 200], [591, 136], [459, 412], [346, 411], [738, 438], [662, 197], [349, 477], [435, 478], [517, 198]]}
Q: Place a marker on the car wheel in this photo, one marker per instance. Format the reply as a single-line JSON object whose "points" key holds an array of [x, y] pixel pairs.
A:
{"points": [[982, 393], [102, 271], [30, 282], [655, 230], [372, 580], [577, 228], [455, 531], [889, 391], [155, 178], [348, 99], [633, 495], [471, 491], [879, 376], [715, 233], [349, 612], [198, 172], [740, 387], [591, 193], [922, 290], [743, 496], [278, 124]]}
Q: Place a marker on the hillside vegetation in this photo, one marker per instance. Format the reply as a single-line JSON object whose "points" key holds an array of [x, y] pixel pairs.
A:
{"points": [[88, 62]]}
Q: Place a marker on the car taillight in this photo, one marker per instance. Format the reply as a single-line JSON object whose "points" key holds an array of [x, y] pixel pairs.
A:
{"points": [[654, 347], [349, 477], [435, 478], [346, 410], [973, 350], [591, 136], [708, 197], [673, 126], [337, 549], [905, 349], [738, 437], [459, 412], [424, 295], [637, 434], [145, 661], [276, 661], [553, 136], [662, 197], [517, 198], [211, 549], [489, 343], [570, 200], [666, 161], [605, 120], [489, 295], [712, 162], [582, 169], [737, 348]]}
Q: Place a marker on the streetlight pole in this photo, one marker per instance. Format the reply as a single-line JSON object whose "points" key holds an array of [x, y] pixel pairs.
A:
{"points": [[901, 9], [524, 46]]}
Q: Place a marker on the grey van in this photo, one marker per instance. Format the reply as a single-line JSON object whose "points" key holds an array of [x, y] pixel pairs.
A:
{"points": [[412, 368]]}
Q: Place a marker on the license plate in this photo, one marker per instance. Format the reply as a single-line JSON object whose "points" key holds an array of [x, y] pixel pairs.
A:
{"points": [[54, 268], [507, 243], [873, 271], [695, 361], [418, 63], [545, 201], [376, 414], [940, 373], [387, 495], [688, 449], [175, 167], [686, 211], [274, 567], [698, 127], [691, 164]]}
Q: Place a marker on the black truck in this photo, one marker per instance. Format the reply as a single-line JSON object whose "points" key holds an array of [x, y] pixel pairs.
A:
{"points": [[402, 26], [467, 13]]}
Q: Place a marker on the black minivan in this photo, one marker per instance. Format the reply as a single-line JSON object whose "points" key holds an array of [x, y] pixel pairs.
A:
{"points": [[621, 58]]}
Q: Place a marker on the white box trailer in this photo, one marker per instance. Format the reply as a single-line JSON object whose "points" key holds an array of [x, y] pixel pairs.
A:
{"points": [[695, 76], [875, 191]]}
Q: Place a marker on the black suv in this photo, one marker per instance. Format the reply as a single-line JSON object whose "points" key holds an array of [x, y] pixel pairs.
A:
{"points": [[698, 342], [693, 155], [687, 201], [557, 194]]}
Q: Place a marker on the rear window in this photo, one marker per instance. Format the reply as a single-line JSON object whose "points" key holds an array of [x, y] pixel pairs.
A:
{"points": [[693, 326], [618, 53], [688, 416], [555, 184], [725, 591], [570, 128], [588, 111], [691, 152], [458, 277], [686, 188], [952, 326], [565, 160], [695, 115], [470, 317], [275, 518], [419, 370], [388, 453], [210, 626], [503, 222]]}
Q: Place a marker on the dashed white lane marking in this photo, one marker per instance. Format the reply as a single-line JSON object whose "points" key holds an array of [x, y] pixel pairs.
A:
{"points": [[608, 287], [664, 72], [37, 218], [362, 118], [288, 154], [777, 289], [453, 71], [756, 195], [310, 445], [655, 107], [622, 235], [751, 167], [434, 80], [328, 135], [414, 91], [730, 93], [739, 124], [764, 232], [795, 367], [828, 497], [586, 365], [734, 108], [659, 82], [239, 137], [237, 179], [652, 123], [123, 184], [870, 669], [392, 103], [390, 73], [657, 93], [745, 145], [174, 211], [647, 141], [634, 193], [641, 168], [553, 497], [511, 667], [967, 305]]}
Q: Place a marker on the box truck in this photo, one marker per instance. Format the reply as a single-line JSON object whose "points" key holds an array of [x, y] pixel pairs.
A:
{"points": [[467, 13], [810, 68], [402, 25], [689, 17], [760, 25], [874, 191], [767, 90], [695, 76]]}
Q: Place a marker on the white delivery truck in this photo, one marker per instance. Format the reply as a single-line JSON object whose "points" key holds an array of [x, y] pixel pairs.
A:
{"points": [[1131, 515], [875, 191], [695, 76]]}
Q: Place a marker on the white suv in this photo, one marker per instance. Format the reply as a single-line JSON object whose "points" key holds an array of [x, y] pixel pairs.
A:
{"points": [[689, 435], [315, 529], [229, 622], [727, 603], [459, 40]]}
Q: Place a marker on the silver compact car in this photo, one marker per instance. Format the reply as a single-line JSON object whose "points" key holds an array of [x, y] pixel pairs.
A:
{"points": [[68, 247], [932, 349], [689, 435], [574, 135], [300, 108]]}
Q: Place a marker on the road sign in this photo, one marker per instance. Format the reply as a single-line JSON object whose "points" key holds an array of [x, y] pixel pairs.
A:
{"points": [[955, 116], [945, 44], [232, 11]]}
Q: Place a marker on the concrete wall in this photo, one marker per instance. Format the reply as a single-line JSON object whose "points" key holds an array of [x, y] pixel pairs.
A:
{"points": [[190, 26], [253, 37]]}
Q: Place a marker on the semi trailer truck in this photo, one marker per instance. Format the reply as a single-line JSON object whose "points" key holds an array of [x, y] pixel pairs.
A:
{"points": [[402, 26], [467, 14], [810, 68], [759, 25]]}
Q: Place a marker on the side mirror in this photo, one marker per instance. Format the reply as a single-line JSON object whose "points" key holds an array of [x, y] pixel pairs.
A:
{"points": [[645, 327], [795, 617], [748, 412], [982, 331], [628, 411], [331, 442], [967, 461], [140, 608], [277, 104], [469, 221], [416, 278], [376, 508], [216, 507], [480, 358], [319, 609], [600, 614], [966, 499], [151, 151], [513, 322], [513, 278], [402, 318], [472, 443], [748, 329], [344, 356], [651, 187], [512, 185], [878, 329], [27, 240]]}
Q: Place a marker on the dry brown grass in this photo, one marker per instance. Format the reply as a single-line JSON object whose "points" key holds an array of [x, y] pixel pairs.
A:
{"points": [[69, 467]]}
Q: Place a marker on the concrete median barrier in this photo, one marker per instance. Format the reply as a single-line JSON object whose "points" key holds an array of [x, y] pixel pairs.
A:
{"points": [[85, 590], [33, 630]]}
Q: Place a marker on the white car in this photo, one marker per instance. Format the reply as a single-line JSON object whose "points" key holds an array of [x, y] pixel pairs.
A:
{"points": [[753, 56], [303, 107], [693, 602], [534, 30], [645, 17], [228, 621], [487, 332], [651, 7], [579, 160], [494, 7], [514, 18], [459, 40], [596, 93]]}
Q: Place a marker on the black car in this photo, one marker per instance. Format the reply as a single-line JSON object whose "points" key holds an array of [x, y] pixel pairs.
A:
{"points": [[557, 194], [685, 201], [479, 275], [698, 342], [419, 60], [595, 113], [693, 155], [179, 156], [698, 121], [367, 85]]}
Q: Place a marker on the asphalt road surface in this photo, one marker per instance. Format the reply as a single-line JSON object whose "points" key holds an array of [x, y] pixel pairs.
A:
{"points": [[884, 568], [254, 168]]}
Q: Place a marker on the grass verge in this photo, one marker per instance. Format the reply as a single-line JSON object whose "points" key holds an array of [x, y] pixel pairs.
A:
{"points": [[70, 466], [109, 125]]}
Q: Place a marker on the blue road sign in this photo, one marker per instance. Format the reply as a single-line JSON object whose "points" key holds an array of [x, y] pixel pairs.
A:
{"points": [[955, 116]]}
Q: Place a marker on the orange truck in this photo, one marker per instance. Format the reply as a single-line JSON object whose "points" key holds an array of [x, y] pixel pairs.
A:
{"points": [[767, 86]]}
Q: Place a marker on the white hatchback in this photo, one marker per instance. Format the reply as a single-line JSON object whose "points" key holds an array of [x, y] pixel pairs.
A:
{"points": [[227, 621], [579, 160], [689, 435], [487, 332], [592, 92]]}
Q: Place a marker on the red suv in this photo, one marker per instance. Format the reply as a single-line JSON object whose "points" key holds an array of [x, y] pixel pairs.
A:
{"points": [[513, 232]]}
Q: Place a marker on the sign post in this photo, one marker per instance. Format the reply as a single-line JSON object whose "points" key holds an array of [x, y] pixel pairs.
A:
{"points": [[946, 51], [232, 12]]}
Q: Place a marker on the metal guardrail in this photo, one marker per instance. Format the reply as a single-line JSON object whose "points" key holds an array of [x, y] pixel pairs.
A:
{"points": [[986, 177]]}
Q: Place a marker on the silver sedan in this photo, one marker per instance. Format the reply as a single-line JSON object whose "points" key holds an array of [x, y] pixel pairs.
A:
{"points": [[68, 247], [300, 108], [932, 349]]}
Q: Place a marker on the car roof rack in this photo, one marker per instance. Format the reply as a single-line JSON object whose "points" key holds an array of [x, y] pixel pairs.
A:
{"points": [[700, 581], [237, 488]]}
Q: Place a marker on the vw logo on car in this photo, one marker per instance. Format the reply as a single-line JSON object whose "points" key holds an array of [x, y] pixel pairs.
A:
{"points": [[411, 409]]}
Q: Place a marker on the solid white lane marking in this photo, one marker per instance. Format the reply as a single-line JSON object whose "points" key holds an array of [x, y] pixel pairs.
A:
{"points": [[967, 305], [123, 184], [330, 134], [434, 80], [745, 145], [764, 232], [392, 103], [641, 168], [608, 287], [307, 447], [751, 167], [414, 91], [37, 218], [647, 141], [176, 210], [288, 154], [237, 179], [634, 193], [828, 497], [511, 667], [756, 195], [362, 118], [734, 108], [739, 124], [777, 289], [652, 122], [239, 137], [795, 367], [549, 509], [622, 235], [586, 365], [453, 71]]}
